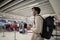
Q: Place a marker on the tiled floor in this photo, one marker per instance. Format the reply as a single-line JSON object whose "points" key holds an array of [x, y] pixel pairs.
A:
{"points": [[10, 36]]}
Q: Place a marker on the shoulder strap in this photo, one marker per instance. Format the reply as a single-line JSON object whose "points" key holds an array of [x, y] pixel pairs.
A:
{"points": [[41, 17], [34, 20]]}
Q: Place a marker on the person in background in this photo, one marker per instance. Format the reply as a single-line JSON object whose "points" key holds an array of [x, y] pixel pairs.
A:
{"points": [[22, 29], [17, 27], [38, 24], [25, 25], [7, 27], [29, 27], [13, 25]]}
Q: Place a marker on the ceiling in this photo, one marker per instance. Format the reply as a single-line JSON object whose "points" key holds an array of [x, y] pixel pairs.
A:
{"points": [[23, 7]]}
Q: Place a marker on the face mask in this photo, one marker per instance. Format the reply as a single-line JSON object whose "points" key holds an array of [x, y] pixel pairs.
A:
{"points": [[33, 14]]}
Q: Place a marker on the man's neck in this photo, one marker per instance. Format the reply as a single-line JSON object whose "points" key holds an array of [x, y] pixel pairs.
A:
{"points": [[36, 14]]}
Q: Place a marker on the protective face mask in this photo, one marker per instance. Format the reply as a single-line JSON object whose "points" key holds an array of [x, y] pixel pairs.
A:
{"points": [[33, 14]]}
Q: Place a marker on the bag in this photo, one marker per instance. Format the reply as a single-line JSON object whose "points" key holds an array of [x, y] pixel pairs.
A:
{"points": [[22, 31], [48, 26]]}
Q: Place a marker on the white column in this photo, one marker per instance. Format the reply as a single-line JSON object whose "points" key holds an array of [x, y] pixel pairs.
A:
{"points": [[56, 6]]}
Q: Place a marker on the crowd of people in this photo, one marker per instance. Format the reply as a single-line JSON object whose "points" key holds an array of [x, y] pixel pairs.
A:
{"points": [[16, 26]]}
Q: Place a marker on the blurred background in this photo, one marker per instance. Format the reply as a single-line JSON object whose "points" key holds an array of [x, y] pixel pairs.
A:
{"points": [[16, 16]]}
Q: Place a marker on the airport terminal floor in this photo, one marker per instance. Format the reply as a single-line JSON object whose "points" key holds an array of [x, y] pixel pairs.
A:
{"points": [[10, 36], [26, 36], [20, 19]]}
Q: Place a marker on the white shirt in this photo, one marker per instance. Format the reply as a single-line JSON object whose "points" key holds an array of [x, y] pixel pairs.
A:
{"points": [[38, 24]]}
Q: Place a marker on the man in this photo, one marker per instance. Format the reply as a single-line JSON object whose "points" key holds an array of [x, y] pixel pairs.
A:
{"points": [[38, 24]]}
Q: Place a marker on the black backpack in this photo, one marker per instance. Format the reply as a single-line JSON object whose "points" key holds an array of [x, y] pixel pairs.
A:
{"points": [[48, 26]]}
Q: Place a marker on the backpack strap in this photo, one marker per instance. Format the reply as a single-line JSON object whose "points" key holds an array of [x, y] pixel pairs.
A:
{"points": [[41, 17], [34, 20], [38, 15]]}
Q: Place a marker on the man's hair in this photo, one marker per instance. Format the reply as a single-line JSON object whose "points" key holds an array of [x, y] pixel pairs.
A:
{"points": [[37, 9]]}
